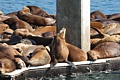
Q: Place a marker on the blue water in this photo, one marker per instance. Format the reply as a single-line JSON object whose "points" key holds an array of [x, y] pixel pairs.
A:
{"points": [[8, 6], [105, 6]]}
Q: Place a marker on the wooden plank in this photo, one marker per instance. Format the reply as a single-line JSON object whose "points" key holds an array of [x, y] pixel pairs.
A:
{"points": [[74, 15]]}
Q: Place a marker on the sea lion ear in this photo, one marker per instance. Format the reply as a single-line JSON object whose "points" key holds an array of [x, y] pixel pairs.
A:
{"points": [[62, 33]]}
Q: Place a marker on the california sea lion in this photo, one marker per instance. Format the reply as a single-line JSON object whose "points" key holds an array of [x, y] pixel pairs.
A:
{"points": [[7, 33], [2, 16], [15, 23], [37, 11], [24, 33], [59, 51], [3, 27], [9, 53], [104, 50], [40, 57], [96, 24], [35, 19], [12, 14], [44, 29], [7, 65], [76, 54], [115, 16], [97, 15]]}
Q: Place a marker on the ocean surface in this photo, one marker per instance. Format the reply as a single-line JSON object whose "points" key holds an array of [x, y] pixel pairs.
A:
{"points": [[105, 6]]}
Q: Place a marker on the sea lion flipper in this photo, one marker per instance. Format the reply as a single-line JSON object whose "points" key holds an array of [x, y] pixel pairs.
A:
{"points": [[72, 64], [52, 64]]}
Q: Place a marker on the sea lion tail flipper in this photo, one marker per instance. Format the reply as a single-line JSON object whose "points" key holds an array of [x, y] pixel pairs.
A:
{"points": [[100, 32]]}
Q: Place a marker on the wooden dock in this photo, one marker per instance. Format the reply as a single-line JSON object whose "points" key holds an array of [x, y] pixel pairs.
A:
{"points": [[109, 64]]}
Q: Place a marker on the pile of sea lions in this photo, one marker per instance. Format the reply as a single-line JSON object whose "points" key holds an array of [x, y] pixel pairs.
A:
{"points": [[29, 37], [105, 35]]}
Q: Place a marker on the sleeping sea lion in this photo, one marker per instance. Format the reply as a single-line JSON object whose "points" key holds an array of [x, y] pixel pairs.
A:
{"points": [[104, 50], [40, 57]]}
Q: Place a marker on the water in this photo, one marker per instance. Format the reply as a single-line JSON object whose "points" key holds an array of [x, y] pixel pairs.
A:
{"points": [[106, 6], [94, 76], [8, 6]]}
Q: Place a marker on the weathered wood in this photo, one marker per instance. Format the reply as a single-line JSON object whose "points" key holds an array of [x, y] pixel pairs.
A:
{"points": [[74, 15]]}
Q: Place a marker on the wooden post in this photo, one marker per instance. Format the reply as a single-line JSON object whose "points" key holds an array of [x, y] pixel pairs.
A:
{"points": [[74, 15]]}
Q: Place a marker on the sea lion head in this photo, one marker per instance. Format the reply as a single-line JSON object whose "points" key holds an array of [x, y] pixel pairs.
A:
{"points": [[92, 55]]}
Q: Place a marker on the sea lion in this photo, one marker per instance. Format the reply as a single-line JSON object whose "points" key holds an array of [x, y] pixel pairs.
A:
{"points": [[28, 49], [96, 24], [59, 50], [12, 41], [76, 54], [104, 50], [111, 28], [7, 33], [15, 23], [2, 16], [38, 11], [43, 29], [24, 33], [35, 19], [3, 27], [97, 15], [115, 16], [41, 40], [104, 38], [7, 65], [12, 15], [7, 52], [48, 34], [40, 57]]}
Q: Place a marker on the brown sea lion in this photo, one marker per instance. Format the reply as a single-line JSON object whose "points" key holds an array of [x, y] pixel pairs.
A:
{"points": [[76, 54], [104, 38], [106, 22], [97, 15], [111, 28], [15, 23], [97, 33], [12, 15], [48, 34], [104, 50], [38, 11], [35, 19], [27, 49], [3, 27], [2, 16], [59, 50], [7, 52], [7, 65], [40, 57], [41, 30], [96, 24], [7, 33], [24, 33], [115, 16]]}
